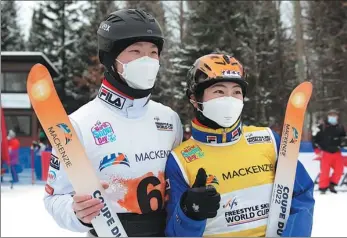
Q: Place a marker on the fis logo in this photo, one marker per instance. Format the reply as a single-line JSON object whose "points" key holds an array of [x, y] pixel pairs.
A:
{"points": [[111, 98], [67, 132], [230, 204], [295, 136], [114, 160]]}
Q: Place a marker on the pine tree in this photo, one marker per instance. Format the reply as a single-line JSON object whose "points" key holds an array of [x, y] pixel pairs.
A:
{"points": [[327, 37], [263, 53], [38, 33], [163, 91], [153, 7], [249, 31], [11, 34], [55, 31], [89, 70], [206, 34]]}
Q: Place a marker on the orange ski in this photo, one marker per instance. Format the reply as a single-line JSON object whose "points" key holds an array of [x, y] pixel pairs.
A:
{"points": [[288, 159], [70, 151]]}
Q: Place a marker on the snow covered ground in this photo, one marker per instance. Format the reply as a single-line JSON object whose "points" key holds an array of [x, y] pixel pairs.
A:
{"points": [[23, 213], [330, 215], [23, 205]]}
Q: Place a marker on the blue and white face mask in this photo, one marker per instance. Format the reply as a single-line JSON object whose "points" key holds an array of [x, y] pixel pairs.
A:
{"points": [[332, 120]]}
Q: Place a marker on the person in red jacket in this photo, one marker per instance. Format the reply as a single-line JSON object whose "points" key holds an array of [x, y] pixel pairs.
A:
{"points": [[13, 149], [327, 140], [5, 158]]}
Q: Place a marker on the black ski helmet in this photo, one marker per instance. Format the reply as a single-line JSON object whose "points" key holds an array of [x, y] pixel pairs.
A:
{"points": [[127, 25], [119, 30]]}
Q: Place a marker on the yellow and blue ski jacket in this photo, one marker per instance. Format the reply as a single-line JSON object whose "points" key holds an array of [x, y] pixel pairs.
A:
{"points": [[240, 162]]}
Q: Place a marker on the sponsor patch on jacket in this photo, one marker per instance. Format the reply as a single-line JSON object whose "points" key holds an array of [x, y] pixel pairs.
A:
{"points": [[163, 126], [103, 133], [258, 137], [52, 176], [245, 171], [152, 155], [211, 139], [231, 73], [54, 163], [114, 159], [237, 214], [49, 189], [192, 152], [111, 98]]}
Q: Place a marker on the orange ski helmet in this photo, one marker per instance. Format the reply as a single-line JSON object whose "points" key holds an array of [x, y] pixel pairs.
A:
{"points": [[212, 68]]}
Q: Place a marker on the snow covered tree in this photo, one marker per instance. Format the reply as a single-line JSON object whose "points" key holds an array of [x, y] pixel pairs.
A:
{"points": [[153, 7], [55, 31], [11, 33], [89, 70], [266, 53], [326, 45], [204, 35], [251, 32], [163, 88], [38, 33]]}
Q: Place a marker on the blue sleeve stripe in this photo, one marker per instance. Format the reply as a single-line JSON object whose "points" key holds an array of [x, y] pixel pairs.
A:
{"points": [[274, 140], [277, 139], [179, 164]]}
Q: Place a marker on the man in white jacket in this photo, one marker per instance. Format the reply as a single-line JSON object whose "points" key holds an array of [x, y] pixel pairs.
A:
{"points": [[127, 137]]}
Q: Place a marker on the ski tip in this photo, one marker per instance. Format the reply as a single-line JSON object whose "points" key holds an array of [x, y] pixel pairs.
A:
{"points": [[38, 83], [301, 95], [306, 84]]}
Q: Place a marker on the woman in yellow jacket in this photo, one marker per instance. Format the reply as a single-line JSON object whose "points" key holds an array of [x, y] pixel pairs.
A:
{"points": [[219, 182]]}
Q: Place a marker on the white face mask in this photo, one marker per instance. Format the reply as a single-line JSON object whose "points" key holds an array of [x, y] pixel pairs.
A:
{"points": [[223, 110], [140, 73]]}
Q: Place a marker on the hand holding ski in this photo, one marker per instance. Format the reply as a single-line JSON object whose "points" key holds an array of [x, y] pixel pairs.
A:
{"points": [[70, 151]]}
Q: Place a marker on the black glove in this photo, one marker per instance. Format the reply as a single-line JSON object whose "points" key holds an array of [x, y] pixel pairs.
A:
{"points": [[200, 202]]}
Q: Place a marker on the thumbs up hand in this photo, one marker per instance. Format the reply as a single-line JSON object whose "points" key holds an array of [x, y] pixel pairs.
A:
{"points": [[200, 202]]}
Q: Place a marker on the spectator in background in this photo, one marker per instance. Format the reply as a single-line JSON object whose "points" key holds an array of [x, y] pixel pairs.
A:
{"points": [[38, 147], [13, 149], [44, 141], [326, 141], [5, 157]]}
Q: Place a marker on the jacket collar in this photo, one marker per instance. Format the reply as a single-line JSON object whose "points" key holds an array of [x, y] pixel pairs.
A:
{"points": [[120, 103], [223, 135]]}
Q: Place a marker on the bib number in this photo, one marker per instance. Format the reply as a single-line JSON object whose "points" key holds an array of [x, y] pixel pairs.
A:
{"points": [[148, 198]]}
